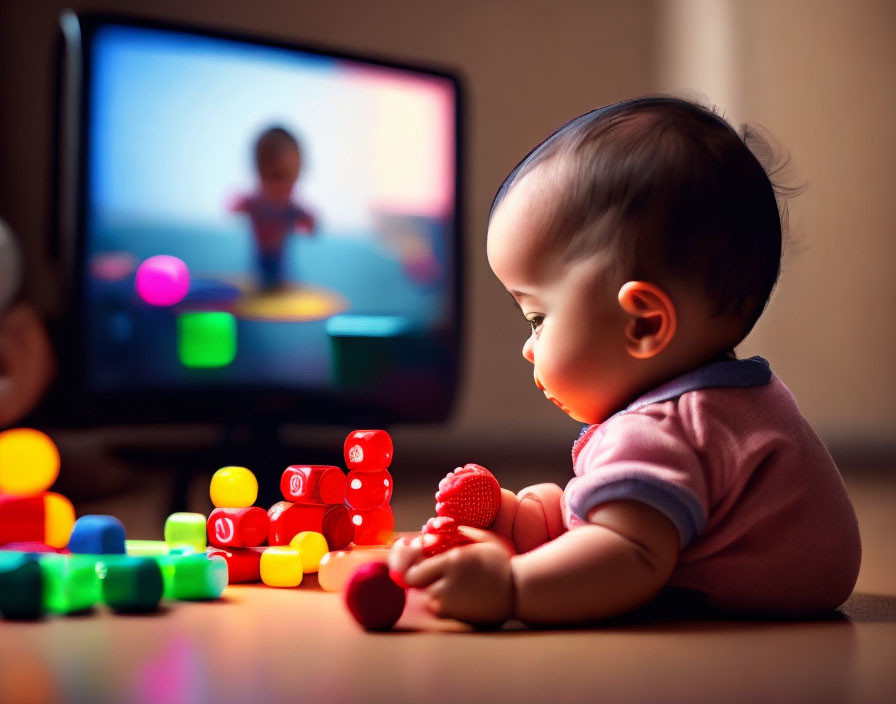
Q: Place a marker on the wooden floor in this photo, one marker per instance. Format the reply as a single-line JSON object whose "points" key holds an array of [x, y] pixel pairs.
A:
{"points": [[265, 645]]}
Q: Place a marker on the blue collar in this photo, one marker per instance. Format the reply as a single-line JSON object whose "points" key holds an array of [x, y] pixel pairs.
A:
{"points": [[754, 371]]}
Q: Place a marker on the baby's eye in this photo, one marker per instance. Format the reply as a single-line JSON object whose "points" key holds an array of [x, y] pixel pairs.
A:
{"points": [[535, 321]]}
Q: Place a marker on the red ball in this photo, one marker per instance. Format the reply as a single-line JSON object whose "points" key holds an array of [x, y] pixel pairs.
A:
{"points": [[368, 450], [374, 599]]}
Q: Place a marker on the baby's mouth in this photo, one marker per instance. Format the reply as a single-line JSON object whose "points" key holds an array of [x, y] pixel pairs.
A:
{"points": [[548, 395], [554, 401]]}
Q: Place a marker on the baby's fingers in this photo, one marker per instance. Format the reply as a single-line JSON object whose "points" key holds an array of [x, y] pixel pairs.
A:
{"points": [[404, 553], [486, 536], [425, 573]]}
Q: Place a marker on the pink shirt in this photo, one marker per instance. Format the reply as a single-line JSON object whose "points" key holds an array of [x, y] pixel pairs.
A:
{"points": [[761, 510]]}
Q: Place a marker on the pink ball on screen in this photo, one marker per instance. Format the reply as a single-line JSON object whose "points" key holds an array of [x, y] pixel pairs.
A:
{"points": [[163, 280]]}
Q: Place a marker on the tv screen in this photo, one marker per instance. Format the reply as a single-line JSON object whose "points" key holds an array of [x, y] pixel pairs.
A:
{"points": [[256, 220]]}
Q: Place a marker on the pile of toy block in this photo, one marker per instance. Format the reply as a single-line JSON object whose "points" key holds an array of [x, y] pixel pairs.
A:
{"points": [[52, 564], [322, 511]]}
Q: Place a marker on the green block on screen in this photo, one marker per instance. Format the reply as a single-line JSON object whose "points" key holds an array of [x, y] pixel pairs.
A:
{"points": [[71, 583], [186, 529], [206, 339], [131, 584], [21, 586], [192, 577]]}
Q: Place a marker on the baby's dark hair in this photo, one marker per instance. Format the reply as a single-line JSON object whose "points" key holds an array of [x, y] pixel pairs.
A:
{"points": [[272, 141], [672, 190]]}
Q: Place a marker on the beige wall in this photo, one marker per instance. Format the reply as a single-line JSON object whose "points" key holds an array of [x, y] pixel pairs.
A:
{"points": [[818, 75]]}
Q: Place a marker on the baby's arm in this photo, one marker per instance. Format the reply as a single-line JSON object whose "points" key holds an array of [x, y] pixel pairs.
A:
{"points": [[615, 563], [530, 518]]}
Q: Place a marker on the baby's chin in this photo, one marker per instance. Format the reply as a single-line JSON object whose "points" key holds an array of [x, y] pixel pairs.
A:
{"points": [[590, 417], [572, 413]]}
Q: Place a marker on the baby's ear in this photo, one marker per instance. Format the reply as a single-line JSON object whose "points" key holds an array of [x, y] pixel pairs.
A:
{"points": [[652, 322], [26, 362]]}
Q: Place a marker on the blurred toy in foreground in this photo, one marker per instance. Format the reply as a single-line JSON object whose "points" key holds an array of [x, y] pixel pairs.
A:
{"points": [[373, 598], [29, 464]]}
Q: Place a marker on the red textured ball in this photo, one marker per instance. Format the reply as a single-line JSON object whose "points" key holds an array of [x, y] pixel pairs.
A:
{"points": [[374, 599], [470, 495], [441, 534]]}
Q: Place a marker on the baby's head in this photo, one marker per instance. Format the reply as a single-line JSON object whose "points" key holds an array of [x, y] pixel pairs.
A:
{"points": [[640, 240], [278, 160]]}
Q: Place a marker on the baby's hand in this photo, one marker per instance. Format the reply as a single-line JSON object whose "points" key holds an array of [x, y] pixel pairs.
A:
{"points": [[472, 583]]}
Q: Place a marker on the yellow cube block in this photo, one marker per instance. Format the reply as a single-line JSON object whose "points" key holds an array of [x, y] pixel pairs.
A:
{"points": [[233, 487], [312, 547], [59, 519], [281, 567]]}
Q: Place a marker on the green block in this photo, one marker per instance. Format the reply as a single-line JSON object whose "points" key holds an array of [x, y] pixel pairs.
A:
{"points": [[130, 584], [206, 339], [193, 577], [186, 529], [145, 548], [71, 583], [21, 586]]}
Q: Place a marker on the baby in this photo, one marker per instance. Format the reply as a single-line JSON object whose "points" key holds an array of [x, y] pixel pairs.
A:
{"points": [[272, 211], [642, 241]]}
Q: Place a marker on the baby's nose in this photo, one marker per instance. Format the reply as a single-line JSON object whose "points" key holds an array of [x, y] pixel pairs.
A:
{"points": [[529, 350]]}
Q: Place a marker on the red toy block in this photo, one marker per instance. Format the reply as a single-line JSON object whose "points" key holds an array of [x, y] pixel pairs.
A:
{"points": [[368, 450], [243, 564], [237, 527], [287, 520], [373, 526], [368, 489], [313, 484], [338, 528], [22, 519]]}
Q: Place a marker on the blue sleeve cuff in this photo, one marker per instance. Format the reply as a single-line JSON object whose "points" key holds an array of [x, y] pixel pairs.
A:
{"points": [[677, 503]]}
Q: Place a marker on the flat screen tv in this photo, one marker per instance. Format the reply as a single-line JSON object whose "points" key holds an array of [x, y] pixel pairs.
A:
{"points": [[255, 230]]}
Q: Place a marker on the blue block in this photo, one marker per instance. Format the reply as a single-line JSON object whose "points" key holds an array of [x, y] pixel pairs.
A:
{"points": [[97, 535]]}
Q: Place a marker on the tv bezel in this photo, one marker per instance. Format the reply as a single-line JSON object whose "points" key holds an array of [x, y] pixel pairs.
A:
{"points": [[73, 403]]}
